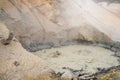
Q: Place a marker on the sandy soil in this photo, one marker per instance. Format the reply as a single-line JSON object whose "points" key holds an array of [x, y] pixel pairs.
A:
{"points": [[78, 56]]}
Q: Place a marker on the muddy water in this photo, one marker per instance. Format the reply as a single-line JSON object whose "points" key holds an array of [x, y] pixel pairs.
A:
{"points": [[78, 56]]}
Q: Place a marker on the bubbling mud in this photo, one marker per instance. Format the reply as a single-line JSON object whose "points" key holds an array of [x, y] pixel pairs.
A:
{"points": [[78, 57]]}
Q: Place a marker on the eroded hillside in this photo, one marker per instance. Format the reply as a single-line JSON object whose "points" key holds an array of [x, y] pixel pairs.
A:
{"points": [[18, 64], [42, 24]]}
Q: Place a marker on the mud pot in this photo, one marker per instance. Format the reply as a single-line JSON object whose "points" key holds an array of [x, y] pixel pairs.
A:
{"points": [[80, 59]]}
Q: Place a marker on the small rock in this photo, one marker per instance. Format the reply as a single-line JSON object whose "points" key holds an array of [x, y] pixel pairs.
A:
{"points": [[16, 63], [56, 54], [117, 54], [67, 75]]}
